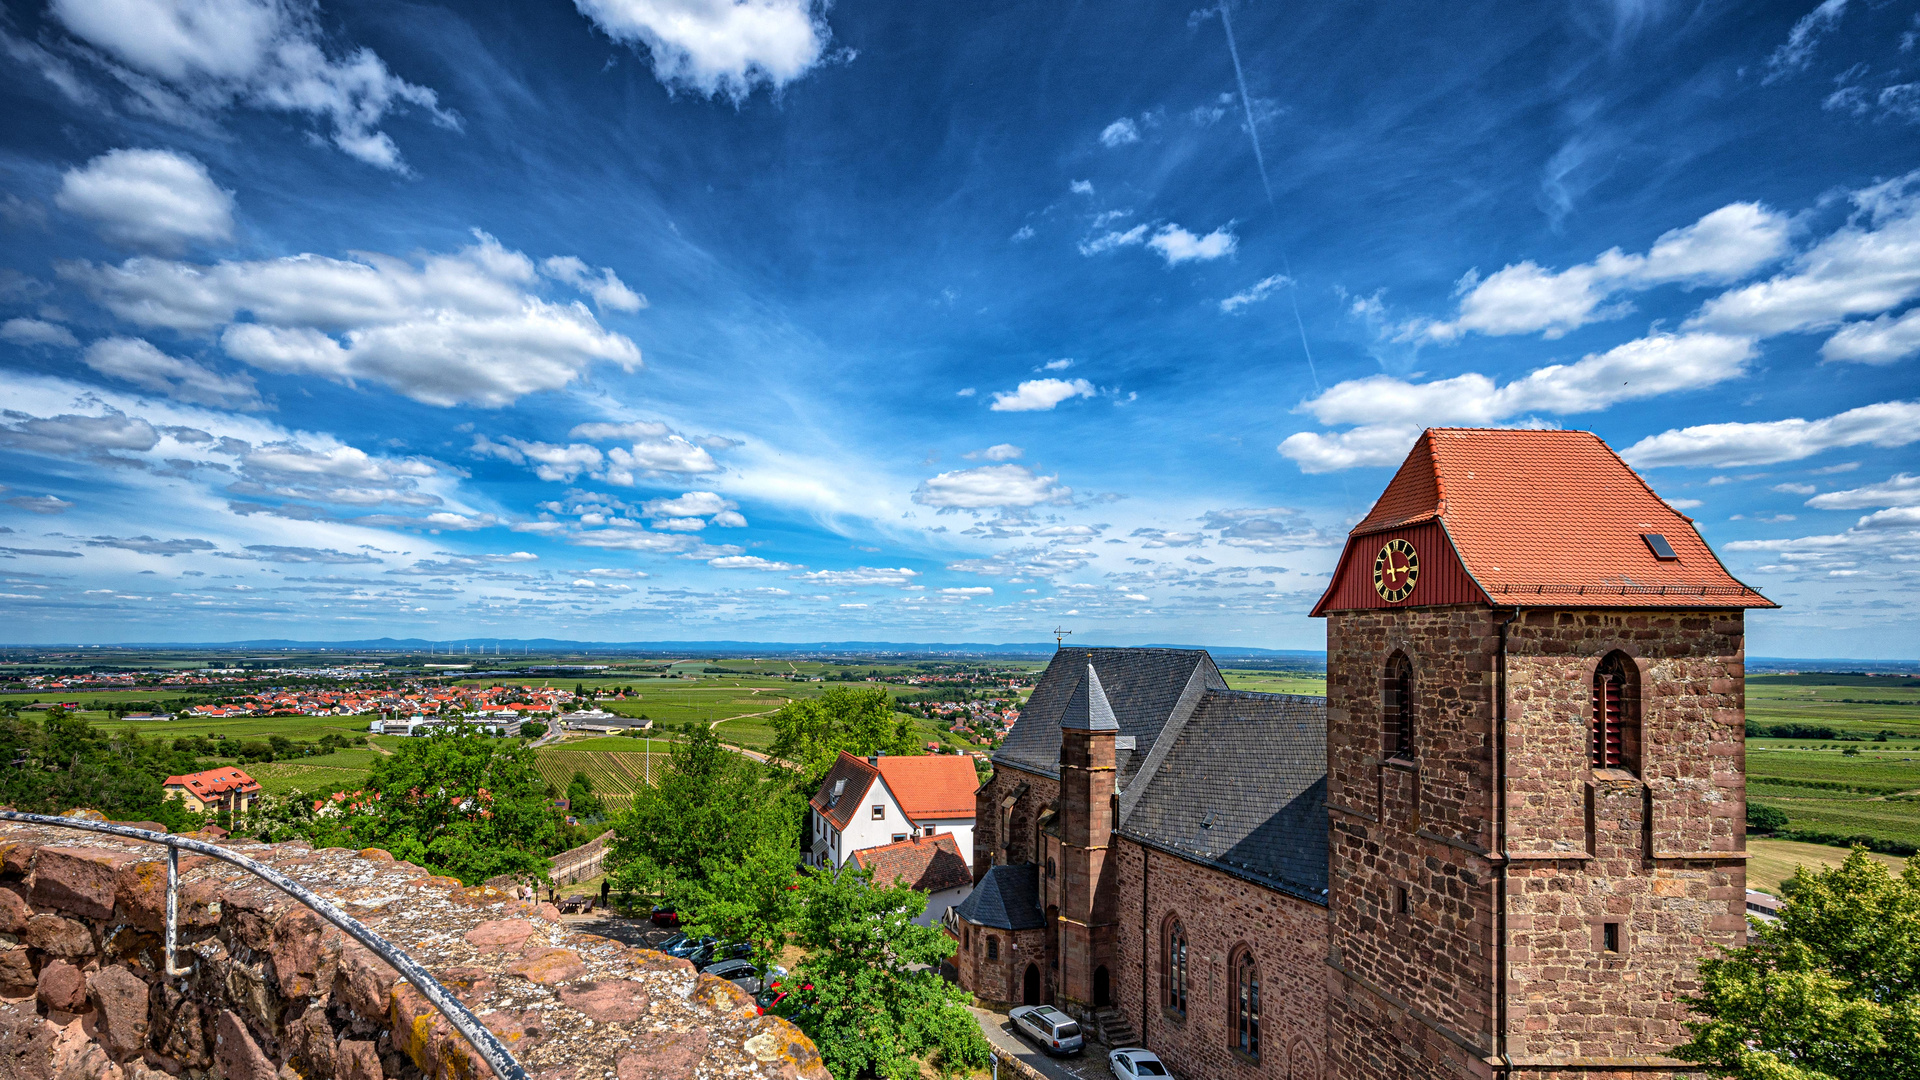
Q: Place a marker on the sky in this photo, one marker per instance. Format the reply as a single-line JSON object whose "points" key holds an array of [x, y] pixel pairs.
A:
{"points": [[633, 320]]}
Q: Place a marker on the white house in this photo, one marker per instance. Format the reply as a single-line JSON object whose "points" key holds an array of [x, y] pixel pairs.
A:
{"points": [[877, 801], [932, 864]]}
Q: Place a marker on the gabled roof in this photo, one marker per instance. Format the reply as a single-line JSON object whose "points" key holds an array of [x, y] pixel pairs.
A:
{"points": [[1244, 789], [927, 863], [1007, 898], [214, 781], [1142, 687], [931, 785], [844, 789], [1551, 518]]}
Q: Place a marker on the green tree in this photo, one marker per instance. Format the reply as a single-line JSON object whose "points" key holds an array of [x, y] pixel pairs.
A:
{"points": [[706, 808], [64, 762], [811, 732], [580, 797], [459, 804], [1831, 991], [1762, 818], [749, 896], [871, 998]]}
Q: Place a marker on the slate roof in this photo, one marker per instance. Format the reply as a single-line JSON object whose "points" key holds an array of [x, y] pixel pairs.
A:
{"points": [[931, 785], [1087, 708], [1142, 688], [1244, 789], [927, 863], [858, 776], [1008, 898], [1538, 517]]}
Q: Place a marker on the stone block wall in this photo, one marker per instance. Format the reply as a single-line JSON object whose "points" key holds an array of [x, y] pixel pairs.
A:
{"points": [[276, 993], [1022, 829], [1287, 936], [997, 981]]}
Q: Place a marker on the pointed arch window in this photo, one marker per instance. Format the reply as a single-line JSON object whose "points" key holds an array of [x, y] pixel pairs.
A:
{"points": [[1614, 730], [1246, 1005], [1396, 707], [1174, 964]]}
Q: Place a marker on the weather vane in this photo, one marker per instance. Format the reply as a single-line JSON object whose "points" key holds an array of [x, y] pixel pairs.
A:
{"points": [[1060, 637]]}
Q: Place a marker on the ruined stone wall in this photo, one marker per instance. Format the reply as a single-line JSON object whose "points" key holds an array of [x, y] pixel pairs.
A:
{"points": [[1221, 913], [276, 993], [996, 981]]}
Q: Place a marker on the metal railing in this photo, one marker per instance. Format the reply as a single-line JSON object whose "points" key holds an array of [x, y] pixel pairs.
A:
{"points": [[469, 1026]]}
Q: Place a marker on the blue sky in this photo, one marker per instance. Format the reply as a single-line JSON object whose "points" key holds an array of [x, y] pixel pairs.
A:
{"points": [[685, 319]]}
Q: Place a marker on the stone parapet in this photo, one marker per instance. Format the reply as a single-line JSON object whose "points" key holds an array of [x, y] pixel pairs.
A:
{"points": [[274, 992]]}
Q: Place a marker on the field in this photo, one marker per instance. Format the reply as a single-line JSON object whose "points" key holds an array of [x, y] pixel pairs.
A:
{"points": [[615, 775], [1774, 861], [1276, 682], [342, 770]]}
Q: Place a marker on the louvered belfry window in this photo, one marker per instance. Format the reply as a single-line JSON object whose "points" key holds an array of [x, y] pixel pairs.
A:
{"points": [[1396, 706], [1614, 741]]}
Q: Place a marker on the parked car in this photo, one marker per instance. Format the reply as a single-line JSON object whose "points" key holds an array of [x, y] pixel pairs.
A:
{"points": [[775, 992], [718, 953], [683, 946], [1132, 1061], [664, 915], [1054, 1030], [740, 973]]}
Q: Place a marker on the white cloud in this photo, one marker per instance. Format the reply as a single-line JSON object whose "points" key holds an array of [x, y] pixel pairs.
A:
{"points": [[997, 452], [692, 504], [1039, 395], [718, 46], [1024, 232], [1890, 423], [458, 328], [607, 290], [152, 199], [1867, 266], [730, 519], [1876, 341], [971, 590], [1112, 240], [1057, 365], [865, 575], [1392, 411], [1903, 489], [1254, 293], [137, 361], [1684, 504], [965, 392], [40, 504], [1081, 187], [1119, 133], [1177, 245], [1269, 528], [752, 562], [990, 486], [183, 57], [36, 332], [1795, 489], [1521, 298], [1796, 52]]}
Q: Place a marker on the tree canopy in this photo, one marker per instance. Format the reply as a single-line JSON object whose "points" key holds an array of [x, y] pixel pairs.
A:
{"points": [[811, 732], [63, 762], [1831, 991]]}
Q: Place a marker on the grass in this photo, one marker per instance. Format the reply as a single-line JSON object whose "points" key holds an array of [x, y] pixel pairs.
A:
{"points": [[1774, 861], [1273, 682], [1818, 699], [297, 728]]}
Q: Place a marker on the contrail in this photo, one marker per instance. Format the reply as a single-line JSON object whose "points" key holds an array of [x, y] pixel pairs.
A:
{"points": [[1260, 159]]}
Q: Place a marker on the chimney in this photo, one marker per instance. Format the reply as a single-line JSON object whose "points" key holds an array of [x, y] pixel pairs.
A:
{"points": [[874, 761]]}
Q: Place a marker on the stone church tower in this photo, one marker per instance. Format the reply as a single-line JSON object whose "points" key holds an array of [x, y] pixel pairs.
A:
{"points": [[1535, 738]]}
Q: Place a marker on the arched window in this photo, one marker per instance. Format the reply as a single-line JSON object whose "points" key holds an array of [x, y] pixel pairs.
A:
{"points": [[1246, 1005], [1614, 737], [1396, 707], [993, 947], [1173, 962]]}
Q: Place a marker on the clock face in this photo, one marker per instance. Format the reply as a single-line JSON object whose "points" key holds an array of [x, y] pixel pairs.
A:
{"points": [[1395, 570]]}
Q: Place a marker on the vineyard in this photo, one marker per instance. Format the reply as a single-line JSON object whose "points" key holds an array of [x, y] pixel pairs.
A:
{"points": [[615, 775]]}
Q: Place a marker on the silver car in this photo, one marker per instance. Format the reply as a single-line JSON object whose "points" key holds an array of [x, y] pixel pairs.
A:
{"points": [[1130, 1062], [1054, 1030]]}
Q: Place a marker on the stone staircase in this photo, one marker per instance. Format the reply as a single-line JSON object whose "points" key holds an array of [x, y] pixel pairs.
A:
{"points": [[1115, 1029]]}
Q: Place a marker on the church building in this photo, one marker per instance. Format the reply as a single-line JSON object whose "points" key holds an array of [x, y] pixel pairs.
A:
{"points": [[1499, 846]]}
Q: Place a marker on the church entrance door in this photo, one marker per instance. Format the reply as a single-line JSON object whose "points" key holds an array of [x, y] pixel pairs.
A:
{"points": [[1030, 993], [1102, 992]]}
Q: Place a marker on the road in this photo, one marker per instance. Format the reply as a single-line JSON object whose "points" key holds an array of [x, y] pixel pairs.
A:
{"points": [[1089, 1064]]}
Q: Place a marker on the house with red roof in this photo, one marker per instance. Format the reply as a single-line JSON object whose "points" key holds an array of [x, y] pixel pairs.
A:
{"points": [[886, 799], [225, 788], [935, 865]]}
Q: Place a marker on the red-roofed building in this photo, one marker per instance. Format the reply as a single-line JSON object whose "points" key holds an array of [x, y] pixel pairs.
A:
{"points": [[225, 788], [936, 865], [875, 801]]}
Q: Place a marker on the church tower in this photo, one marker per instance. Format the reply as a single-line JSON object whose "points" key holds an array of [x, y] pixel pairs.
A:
{"points": [[1535, 714], [1086, 924]]}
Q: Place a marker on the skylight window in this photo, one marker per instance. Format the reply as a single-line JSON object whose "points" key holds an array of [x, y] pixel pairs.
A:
{"points": [[1657, 544]]}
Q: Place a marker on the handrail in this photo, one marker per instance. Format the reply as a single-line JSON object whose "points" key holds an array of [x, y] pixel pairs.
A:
{"points": [[476, 1033]]}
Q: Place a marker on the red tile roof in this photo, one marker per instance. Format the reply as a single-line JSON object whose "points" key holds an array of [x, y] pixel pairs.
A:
{"points": [[928, 863], [932, 785], [215, 782], [857, 776], [1545, 517]]}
